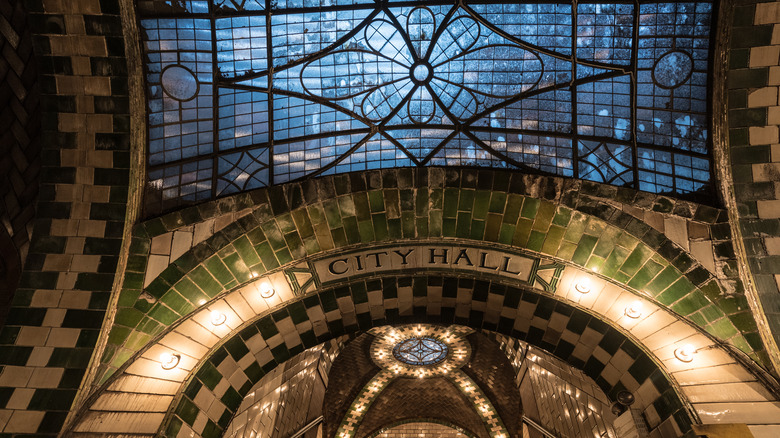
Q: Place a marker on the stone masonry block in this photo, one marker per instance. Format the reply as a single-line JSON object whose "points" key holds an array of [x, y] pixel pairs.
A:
{"points": [[769, 209], [767, 13], [766, 172], [763, 135], [766, 96], [773, 115], [774, 76], [764, 56], [772, 245]]}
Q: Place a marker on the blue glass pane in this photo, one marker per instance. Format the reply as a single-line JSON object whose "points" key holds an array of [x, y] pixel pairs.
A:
{"points": [[543, 25], [666, 172], [545, 153], [167, 7], [170, 185], [550, 111], [242, 46], [672, 63], [604, 108], [242, 171], [605, 32], [284, 4], [376, 153], [420, 351], [420, 142], [296, 35], [463, 151], [243, 118], [299, 158], [239, 5], [606, 163], [179, 80], [295, 117], [325, 86]]}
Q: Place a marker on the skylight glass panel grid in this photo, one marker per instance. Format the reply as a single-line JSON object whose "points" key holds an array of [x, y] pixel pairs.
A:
{"points": [[546, 25], [604, 108], [296, 36], [663, 171], [179, 81], [179, 184], [270, 92], [605, 162], [376, 153], [546, 153], [243, 118], [295, 117], [242, 46], [297, 159], [605, 32], [171, 7], [672, 63], [550, 111], [243, 171]]}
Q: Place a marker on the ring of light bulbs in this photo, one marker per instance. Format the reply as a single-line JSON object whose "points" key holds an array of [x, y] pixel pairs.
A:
{"points": [[454, 337]]}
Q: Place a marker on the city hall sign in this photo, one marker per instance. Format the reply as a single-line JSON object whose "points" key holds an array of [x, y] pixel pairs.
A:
{"points": [[416, 259]]}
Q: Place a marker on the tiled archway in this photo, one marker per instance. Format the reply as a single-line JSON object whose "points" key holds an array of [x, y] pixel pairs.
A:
{"points": [[566, 220], [218, 363]]}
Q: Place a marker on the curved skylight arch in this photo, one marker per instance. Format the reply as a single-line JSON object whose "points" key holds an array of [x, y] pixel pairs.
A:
{"points": [[248, 93]]}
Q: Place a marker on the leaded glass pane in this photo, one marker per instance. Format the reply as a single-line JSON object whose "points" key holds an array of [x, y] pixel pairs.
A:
{"points": [[248, 93]]}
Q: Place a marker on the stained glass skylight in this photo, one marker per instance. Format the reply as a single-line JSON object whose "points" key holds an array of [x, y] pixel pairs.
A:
{"points": [[248, 93], [420, 350]]}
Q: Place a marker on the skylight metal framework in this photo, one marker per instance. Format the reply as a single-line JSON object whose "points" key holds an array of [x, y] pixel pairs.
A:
{"points": [[247, 93], [420, 350]]}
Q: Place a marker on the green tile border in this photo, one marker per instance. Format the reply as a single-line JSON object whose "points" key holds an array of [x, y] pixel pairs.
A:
{"points": [[279, 231], [206, 374]]}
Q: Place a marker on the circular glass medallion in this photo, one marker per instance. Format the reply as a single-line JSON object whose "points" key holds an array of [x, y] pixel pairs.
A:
{"points": [[179, 83], [673, 69], [421, 73], [421, 350]]}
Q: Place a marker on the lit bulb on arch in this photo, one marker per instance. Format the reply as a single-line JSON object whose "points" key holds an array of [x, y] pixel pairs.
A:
{"points": [[582, 286], [634, 310], [685, 353], [217, 318], [169, 361], [266, 290]]}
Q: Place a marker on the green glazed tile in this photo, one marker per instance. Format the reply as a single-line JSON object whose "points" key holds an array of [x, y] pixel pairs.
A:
{"points": [[366, 229], [497, 202], [379, 221], [553, 240], [535, 240], [522, 232], [303, 223], [584, 249], [463, 225], [246, 250], [376, 201], [506, 233], [636, 260], [513, 206], [530, 207], [466, 200], [544, 216]]}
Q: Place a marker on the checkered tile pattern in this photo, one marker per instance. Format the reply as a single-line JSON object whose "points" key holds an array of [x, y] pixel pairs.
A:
{"points": [[65, 289], [750, 136], [573, 221], [606, 355]]}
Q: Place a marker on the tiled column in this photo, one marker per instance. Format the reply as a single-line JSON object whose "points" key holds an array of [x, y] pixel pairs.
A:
{"points": [[53, 327], [20, 147], [753, 77]]}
